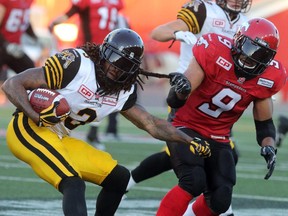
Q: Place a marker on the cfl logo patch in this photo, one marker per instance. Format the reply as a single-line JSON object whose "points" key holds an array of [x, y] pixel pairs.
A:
{"points": [[224, 63], [84, 91], [219, 23]]}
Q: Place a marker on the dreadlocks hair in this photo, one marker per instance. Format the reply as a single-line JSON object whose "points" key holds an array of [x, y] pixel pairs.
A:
{"points": [[107, 85]]}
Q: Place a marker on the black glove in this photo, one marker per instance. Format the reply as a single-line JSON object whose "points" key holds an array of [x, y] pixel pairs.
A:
{"points": [[269, 153], [200, 147], [48, 116], [180, 82]]}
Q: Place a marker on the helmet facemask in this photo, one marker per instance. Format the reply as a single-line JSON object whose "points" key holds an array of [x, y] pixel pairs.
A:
{"points": [[120, 58], [124, 63], [251, 57]]}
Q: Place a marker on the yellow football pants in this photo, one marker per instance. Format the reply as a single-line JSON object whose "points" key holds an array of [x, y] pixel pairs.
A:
{"points": [[52, 158]]}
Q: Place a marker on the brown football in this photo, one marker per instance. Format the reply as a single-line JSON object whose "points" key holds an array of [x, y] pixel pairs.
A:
{"points": [[41, 98]]}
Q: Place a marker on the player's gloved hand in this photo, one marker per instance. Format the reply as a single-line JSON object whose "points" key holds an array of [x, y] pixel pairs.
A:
{"points": [[48, 116], [186, 37], [180, 82], [200, 147], [15, 50], [269, 153]]}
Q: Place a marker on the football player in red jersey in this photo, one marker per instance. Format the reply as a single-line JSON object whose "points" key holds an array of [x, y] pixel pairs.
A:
{"points": [[194, 19], [226, 75], [96, 80], [14, 21], [97, 19]]}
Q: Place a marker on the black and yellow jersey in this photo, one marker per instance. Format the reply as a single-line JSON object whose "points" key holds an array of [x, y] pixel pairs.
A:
{"points": [[73, 74]]}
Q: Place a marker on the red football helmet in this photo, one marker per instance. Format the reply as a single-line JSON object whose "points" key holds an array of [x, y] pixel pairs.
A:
{"points": [[255, 45]]}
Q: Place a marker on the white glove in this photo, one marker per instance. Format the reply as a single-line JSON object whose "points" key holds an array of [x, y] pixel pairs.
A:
{"points": [[186, 37], [15, 50]]}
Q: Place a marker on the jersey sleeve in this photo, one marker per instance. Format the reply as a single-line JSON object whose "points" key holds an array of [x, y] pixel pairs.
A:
{"points": [[61, 68], [272, 80], [194, 15], [205, 52], [131, 100]]}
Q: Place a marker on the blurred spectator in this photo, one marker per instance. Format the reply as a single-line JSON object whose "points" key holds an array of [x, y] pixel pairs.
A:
{"points": [[14, 22]]}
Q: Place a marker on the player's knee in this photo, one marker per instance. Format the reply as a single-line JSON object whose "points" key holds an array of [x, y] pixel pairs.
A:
{"points": [[117, 180], [221, 199], [194, 181], [72, 183]]}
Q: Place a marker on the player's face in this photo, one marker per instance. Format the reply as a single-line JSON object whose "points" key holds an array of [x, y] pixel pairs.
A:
{"points": [[112, 72], [234, 5], [246, 62]]}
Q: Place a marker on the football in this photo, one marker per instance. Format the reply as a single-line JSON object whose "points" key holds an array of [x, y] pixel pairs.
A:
{"points": [[42, 98]]}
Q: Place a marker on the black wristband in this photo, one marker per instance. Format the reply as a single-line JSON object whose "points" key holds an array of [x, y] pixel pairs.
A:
{"points": [[264, 129]]}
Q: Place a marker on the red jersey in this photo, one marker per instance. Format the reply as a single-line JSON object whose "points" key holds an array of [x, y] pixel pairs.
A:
{"points": [[98, 18], [16, 19], [221, 99]]}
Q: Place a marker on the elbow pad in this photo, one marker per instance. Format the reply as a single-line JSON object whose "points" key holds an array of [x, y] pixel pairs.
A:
{"points": [[264, 129], [173, 101]]}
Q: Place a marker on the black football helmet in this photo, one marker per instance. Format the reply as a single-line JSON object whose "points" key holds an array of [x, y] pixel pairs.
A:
{"points": [[123, 49], [254, 47], [239, 6]]}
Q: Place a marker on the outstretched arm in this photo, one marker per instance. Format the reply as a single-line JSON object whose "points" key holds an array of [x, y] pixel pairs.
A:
{"points": [[156, 127], [166, 31], [265, 132], [163, 130]]}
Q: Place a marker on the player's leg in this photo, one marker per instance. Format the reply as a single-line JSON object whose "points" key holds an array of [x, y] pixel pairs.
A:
{"points": [[93, 136], [73, 190], [190, 172], [282, 129], [100, 168], [190, 212], [45, 153], [229, 212], [151, 166], [114, 187], [20, 64], [154, 164], [221, 177], [112, 127], [16, 64]]}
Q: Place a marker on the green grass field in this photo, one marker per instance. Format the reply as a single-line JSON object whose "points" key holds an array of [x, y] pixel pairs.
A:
{"points": [[23, 193]]}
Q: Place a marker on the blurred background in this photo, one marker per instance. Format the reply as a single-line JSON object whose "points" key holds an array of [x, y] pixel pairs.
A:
{"points": [[143, 16], [23, 193]]}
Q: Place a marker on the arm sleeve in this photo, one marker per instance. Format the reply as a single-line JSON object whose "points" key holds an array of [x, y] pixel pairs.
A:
{"points": [[194, 15], [131, 100], [61, 68]]}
